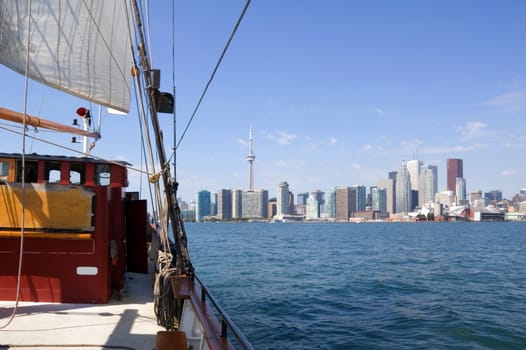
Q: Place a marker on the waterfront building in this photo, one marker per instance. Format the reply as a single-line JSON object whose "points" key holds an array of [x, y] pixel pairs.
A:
{"points": [[427, 185], [255, 204], [446, 198], [361, 198], [345, 203], [493, 197], [369, 202], [331, 204], [475, 196], [213, 204], [414, 168], [455, 168], [313, 207], [379, 199], [403, 190], [224, 204], [302, 198], [388, 185], [460, 190], [236, 204], [203, 205], [272, 207], [283, 199]]}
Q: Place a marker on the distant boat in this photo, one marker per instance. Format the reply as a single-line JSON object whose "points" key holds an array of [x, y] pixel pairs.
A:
{"points": [[73, 242]]}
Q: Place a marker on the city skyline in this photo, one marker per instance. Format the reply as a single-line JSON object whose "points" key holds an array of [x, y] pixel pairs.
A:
{"points": [[411, 172], [336, 95]]}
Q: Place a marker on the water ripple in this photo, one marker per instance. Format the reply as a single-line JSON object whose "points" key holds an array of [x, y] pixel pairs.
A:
{"points": [[374, 286]]}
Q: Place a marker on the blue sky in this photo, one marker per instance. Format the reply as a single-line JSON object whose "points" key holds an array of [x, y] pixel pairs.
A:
{"points": [[338, 93]]}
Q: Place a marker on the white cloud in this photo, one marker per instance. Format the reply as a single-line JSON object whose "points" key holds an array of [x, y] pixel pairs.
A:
{"points": [[511, 102], [472, 130], [507, 172], [367, 147], [282, 138], [378, 111], [333, 141], [242, 142]]}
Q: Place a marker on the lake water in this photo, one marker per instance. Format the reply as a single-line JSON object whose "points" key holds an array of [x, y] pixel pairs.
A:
{"points": [[381, 285]]}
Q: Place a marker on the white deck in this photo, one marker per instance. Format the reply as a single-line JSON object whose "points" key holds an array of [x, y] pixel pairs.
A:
{"points": [[126, 324]]}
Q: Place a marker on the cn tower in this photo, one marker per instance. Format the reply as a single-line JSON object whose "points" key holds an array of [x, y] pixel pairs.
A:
{"points": [[251, 157]]}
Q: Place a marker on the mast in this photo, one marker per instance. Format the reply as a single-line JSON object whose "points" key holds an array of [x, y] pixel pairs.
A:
{"points": [[183, 264]]}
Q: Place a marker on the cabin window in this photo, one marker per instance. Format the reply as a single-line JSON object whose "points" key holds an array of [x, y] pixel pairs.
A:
{"points": [[30, 171], [52, 172], [4, 170], [102, 174], [77, 173]]}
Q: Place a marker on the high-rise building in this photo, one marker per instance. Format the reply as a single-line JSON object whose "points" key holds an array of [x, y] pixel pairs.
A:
{"points": [[388, 185], [224, 204], [460, 190], [331, 204], [369, 202], [203, 205], [313, 208], [414, 167], [427, 185], [403, 190], [320, 201], [236, 204], [255, 204], [213, 204], [392, 176], [379, 199], [283, 199], [345, 203], [302, 198], [493, 197], [454, 169], [361, 198]]}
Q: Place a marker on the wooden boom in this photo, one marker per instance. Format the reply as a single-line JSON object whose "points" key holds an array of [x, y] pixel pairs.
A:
{"points": [[17, 117]]}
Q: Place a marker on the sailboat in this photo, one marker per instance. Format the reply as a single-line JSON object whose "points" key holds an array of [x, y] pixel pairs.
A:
{"points": [[76, 248]]}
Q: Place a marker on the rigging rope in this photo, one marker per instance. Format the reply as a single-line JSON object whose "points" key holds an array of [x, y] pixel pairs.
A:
{"points": [[213, 73], [77, 151], [23, 141]]}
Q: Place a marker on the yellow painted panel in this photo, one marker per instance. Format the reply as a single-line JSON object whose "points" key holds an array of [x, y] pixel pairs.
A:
{"points": [[33, 234], [47, 206]]}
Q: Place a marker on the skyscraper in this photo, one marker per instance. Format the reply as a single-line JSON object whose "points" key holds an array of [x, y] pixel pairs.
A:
{"points": [[460, 188], [283, 199], [345, 203], [379, 199], [236, 204], [403, 190], [454, 170], [251, 157], [224, 204], [427, 185], [361, 197], [414, 168], [203, 205], [388, 185], [255, 204], [331, 204]]}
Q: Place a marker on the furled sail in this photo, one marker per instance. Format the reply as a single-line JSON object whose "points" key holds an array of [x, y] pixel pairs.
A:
{"points": [[79, 46]]}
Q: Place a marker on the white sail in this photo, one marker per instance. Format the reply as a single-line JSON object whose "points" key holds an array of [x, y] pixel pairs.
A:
{"points": [[79, 46]]}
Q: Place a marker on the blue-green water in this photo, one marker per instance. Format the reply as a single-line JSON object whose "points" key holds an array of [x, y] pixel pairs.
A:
{"points": [[382, 285]]}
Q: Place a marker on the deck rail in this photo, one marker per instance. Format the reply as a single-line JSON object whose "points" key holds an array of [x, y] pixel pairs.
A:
{"points": [[226, 322]]}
